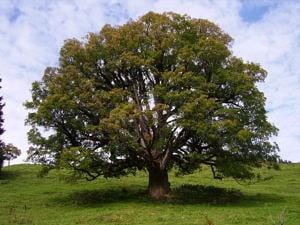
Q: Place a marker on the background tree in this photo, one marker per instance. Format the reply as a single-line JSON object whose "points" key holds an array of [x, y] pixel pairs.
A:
{"points": [[158, 93], [2, 158], [7, 152], [10, 152]]}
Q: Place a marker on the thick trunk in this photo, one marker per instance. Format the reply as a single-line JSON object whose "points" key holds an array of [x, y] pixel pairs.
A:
{"points": [[159, 186]]}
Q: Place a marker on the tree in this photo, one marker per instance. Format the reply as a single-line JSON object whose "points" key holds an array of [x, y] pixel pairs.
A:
{"points": [[10, 152], [7, 152], [157, 93], [1, 131]]}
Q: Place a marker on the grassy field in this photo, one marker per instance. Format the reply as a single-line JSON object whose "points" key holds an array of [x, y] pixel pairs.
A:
{"points": [[196, 199]]}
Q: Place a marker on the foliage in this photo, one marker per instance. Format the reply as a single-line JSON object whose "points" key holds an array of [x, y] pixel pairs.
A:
{"points": [[11, 152], [161, 92]]}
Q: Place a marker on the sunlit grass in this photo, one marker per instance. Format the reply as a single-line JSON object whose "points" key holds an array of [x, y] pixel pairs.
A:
{"points": [[195, 199]]}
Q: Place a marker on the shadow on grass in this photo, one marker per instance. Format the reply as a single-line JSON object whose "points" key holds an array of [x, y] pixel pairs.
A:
{"points": [[5, 176], [185, 194], [98, 197], [200, 194], [13, 172]]}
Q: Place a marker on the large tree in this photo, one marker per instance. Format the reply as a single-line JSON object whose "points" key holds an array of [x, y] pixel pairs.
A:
{"points": [[160, 92]]}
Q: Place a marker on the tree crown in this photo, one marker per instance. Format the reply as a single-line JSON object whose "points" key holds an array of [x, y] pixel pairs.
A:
{"points": [[163, 91]]}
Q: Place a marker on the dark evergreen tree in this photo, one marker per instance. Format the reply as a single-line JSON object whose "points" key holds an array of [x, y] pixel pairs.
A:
{"points": [[2, 145], [7, 151]]}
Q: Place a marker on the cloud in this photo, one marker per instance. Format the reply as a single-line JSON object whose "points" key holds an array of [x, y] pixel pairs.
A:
{"points": [[274, 41], [265, 31]]}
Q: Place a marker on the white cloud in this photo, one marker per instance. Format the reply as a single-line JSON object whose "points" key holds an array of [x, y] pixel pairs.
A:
{"points": [[32, 32], [274, 42]]}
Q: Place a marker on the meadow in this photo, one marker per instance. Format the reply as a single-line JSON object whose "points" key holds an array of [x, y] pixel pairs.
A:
{"points": [[195, 199]]}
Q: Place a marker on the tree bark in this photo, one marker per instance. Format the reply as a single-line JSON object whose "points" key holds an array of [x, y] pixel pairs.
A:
{"points": [[158, 186]]}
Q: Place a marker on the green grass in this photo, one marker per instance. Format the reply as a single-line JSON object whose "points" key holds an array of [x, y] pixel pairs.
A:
{"points": [[196, 199]]}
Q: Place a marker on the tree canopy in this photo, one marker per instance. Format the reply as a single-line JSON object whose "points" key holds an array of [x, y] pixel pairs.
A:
{"points": [[161, 92], [11, 152]]}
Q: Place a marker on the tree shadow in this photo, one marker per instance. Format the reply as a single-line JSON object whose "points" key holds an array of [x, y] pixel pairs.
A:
{"points": [[99, 197], [185, 194], [200, 194], [6, 176]]}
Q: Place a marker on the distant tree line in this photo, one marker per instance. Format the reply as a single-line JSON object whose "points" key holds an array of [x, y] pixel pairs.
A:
{"points": [[284, 161]]}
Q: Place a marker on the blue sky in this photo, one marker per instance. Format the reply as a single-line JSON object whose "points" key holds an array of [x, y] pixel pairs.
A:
{"points": [[265, 31], [252, 11]]}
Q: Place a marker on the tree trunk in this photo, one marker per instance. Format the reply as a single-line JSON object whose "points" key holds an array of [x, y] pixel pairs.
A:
{"points": [[159, 186], [1, 164]]}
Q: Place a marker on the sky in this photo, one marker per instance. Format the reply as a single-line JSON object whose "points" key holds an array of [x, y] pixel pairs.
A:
{"points": [[264, 31]]}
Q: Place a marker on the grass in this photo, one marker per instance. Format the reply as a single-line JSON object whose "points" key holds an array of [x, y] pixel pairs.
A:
{"points": [[196, 199]]}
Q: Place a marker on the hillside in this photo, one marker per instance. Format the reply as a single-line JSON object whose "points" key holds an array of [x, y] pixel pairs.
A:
{"points": [[196, 199]]}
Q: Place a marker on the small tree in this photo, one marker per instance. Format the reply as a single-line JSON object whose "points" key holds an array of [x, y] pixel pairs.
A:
{"points": [[158, 93], [11, 152]]}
